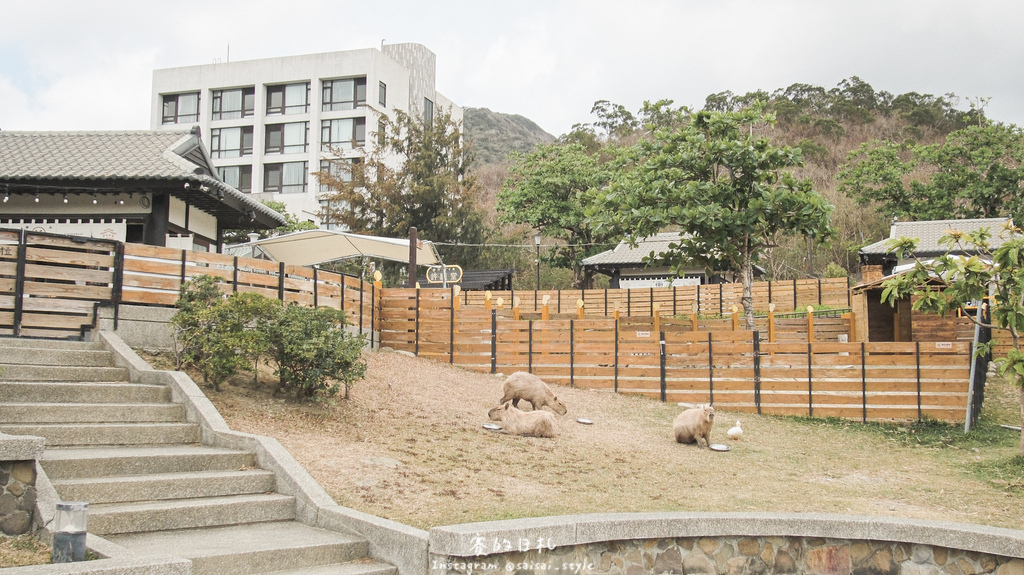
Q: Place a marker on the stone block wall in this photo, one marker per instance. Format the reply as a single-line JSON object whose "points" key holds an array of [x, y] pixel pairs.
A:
{"points": [[734, 555], [17, 496]]}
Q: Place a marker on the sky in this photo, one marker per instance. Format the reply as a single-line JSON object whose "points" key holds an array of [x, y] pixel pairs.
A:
{"points": [[87, 65]]}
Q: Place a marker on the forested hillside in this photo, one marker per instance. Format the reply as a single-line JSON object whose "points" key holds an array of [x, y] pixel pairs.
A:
{"points": [[826, 124]]}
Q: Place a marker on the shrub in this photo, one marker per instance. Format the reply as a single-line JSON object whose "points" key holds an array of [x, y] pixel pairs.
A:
{"points": [[313, 353], [204, 331]]}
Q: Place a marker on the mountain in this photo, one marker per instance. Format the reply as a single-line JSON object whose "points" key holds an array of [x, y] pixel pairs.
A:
{"points": [[493, 135]]}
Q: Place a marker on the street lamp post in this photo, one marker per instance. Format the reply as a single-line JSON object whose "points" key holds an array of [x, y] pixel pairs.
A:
{"points": [[536, 242]]}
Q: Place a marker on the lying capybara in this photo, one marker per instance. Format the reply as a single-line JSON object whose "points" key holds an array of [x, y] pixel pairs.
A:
{"points": [[694, 424], [519, 422], [529, 387]]}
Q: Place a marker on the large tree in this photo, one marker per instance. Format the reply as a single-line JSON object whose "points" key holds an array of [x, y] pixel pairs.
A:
{"points": [[722, 185], [994, 275], [547, 190], [417, 176], [978, 172]]}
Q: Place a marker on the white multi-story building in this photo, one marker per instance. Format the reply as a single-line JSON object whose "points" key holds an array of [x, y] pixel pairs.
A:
{"points": [[271, 124]]}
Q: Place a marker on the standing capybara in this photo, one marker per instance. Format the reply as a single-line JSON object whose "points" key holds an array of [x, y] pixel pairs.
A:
{"points": [[694, 424], [523, 385], [518, 422]]}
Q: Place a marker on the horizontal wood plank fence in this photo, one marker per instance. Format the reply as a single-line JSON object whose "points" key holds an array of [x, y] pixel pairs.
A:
{"points": [[712, 299], [50, 284], [735, 370]]}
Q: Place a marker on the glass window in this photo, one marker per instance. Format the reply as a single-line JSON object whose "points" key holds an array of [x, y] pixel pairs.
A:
{"points": [[231, 142], [343, 133], [347, 94], [239, 177], [288, 138], [287, 178], [232, 104], [288, 99], [338, 169], [382, 132], [382, 94], [428, 112], [181, 108]]}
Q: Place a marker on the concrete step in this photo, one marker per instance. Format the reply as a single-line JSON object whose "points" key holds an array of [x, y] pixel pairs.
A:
{"points": [[28, 342], [114, 518], [262, 548], [63, 435], [49, 356], [163, 486], [67, 392], [82, 462], [91, 412], [63, 373]]}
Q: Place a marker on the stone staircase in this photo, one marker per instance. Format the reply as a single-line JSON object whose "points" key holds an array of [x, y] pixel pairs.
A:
{"points": [[152, 488]]}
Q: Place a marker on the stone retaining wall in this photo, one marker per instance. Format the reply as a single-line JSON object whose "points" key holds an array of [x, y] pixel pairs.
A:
{"points": [[17, 496], [724, 544], [735, 555]]}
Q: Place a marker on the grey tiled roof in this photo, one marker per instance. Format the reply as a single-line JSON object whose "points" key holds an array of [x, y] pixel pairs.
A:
{"points": [[928, 234], [93, 155], [623, 254], [52, 158]]}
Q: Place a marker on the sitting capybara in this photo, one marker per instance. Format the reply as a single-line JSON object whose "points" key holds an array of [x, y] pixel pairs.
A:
{"points": [[519, 422], [694, 424], [529, 387]]}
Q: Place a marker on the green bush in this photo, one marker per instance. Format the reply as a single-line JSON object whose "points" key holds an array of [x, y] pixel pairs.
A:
{"points": [[222, 335], [312, 352], [204, 331]]}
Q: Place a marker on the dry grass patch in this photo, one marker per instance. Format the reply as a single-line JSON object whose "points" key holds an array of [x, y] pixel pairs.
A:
{"points": [[23, 550], [409, 446]]}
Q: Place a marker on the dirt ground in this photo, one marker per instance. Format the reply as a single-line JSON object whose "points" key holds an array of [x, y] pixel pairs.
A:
{"points": [[409, 445]]}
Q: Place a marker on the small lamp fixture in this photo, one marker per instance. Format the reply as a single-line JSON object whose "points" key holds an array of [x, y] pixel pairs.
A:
{"points": [[7, 197], [94, 199], [37, 197], [70, 532], [65, 198]]}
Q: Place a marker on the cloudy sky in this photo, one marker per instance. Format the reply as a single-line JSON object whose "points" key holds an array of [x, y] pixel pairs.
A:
{"points": [[81, 64]]}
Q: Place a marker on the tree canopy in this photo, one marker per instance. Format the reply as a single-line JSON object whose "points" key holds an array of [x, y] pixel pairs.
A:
{"points": [[417, 176], [547, 190], [722, 185], [978, 172]]}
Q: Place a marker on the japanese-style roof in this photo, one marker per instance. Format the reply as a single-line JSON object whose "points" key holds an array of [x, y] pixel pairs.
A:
{"points": [[623, 254], [928, 234], [118, 161]]}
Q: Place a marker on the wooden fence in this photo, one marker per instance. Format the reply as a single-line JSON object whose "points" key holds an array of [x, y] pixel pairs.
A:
{"points": [[665, 358], [711, 299], [50, 284]]}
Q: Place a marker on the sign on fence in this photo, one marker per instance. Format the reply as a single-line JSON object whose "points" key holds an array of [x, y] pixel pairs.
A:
{"points": [[444, 274]]}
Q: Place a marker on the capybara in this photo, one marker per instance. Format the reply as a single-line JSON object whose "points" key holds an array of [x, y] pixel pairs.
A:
{"points": [[694, 424], [519, 422], [523, 385]]}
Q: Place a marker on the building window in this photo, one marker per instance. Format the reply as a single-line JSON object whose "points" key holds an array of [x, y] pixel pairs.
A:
{"points": [[288, 99], [181, 108], [287, 138], [382, 94], [287, 178], [232, 104], [382, 132], [347, 94], [231, 142], [343, 133], [238, 177], [428, 112], [337, 169]]}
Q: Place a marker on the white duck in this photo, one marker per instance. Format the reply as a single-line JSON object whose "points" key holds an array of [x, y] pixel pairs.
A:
{"points": [[735, 432]]}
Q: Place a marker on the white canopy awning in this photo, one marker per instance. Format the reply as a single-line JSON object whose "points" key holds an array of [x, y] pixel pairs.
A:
{"points": [[310, 247]]}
